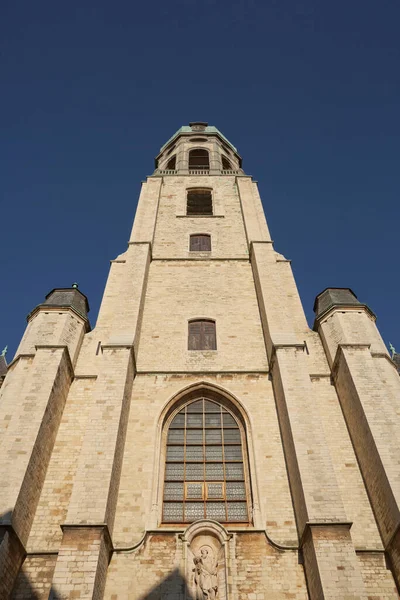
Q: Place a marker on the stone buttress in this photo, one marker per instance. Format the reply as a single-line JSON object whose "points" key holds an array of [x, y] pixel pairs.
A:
{"points": [[86, 415]]}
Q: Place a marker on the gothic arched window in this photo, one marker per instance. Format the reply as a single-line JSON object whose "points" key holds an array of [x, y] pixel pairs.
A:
{"points": [[199, 202], [199, 159], [206, 467]]}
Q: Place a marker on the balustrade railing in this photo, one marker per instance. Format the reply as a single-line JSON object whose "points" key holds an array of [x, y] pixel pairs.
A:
{"points": [[196, 172]]}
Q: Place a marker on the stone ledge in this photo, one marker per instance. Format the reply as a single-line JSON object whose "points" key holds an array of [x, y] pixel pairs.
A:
{"points": [[202, 258], [342, 308], [328, 523], [18, 357], [385, 356], [200, 216], [339, 354], [202, 372], [59, 308]]}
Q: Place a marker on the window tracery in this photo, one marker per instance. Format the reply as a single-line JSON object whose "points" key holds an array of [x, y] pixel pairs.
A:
{"points": [[205, 475]]}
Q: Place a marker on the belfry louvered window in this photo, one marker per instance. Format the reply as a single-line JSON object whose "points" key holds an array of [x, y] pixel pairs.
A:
{"points": [[199, 202], [199, 159], [202, 335], [205, 474], [200, 242]]}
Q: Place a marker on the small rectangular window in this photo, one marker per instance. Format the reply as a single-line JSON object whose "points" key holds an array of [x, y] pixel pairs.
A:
{"points": [[200, 243], [202, 335], [199, 202]]}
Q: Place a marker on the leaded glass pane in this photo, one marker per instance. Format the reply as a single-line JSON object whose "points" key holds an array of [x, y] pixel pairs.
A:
{"points": [[194, 491], [214, 471], [194, 420], [178, 421], [194, 511], [204, 466], [234, 471], [229, 421], [216, 511], [213, 453], [195, 406], [175, 453], [232, 436], [215, 490], [213, 420], [194, 453], [237, 511], [174, 472], [194, 436], [173, 491], [213, 436], [173, 512], [194, 472], [211, 406], [175, 436], [233, 452], [235, 490]]}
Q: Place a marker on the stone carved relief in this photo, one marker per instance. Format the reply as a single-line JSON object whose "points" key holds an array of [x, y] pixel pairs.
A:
{"points": [[206, 560], [205, 576]]}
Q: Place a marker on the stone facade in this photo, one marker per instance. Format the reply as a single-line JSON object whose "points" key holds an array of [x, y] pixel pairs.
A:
{"points": [[84, 416]]}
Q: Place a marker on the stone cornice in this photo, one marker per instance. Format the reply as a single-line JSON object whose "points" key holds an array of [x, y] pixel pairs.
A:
{"points": [[342, 308], [339, 354], [54, 308], [325, 523]]}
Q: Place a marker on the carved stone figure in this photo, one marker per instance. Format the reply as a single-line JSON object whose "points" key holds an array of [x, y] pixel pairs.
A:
{"points": [[205, 576]]}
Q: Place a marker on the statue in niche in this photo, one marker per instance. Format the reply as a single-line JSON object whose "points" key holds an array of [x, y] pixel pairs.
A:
{"points": [[205, 576]]}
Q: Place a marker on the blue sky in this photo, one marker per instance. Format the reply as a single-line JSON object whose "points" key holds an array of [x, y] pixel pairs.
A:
{"points": [[308, 91]]}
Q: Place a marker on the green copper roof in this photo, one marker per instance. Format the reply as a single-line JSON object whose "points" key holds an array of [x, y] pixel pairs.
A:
{"points": [[208, 129]]}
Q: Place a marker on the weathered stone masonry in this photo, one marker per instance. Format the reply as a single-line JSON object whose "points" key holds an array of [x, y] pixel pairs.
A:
{"points": [[84, 416]]}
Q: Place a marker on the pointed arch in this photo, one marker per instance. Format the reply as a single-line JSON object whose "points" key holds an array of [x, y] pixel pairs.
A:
{"points": [[228, 405]]}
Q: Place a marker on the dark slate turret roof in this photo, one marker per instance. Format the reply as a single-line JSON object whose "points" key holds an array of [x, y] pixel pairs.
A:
{"points": [[396, 360]]}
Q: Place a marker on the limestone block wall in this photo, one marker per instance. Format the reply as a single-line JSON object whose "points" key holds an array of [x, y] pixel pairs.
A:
{"points": [[260, 571], [180, 291], [34, 579], [155, 571], [28, 440], [52, 326], [364, 531], [96, 495], [378, 580], [46, 533], [140, 491], [173, 228]]}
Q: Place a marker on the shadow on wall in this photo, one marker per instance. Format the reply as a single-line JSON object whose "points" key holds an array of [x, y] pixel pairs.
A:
{"points": [[23, 589], [173, 587]]}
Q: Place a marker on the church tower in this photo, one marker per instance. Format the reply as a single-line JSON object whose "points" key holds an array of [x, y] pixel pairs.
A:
{"points": [[201, 442]]}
